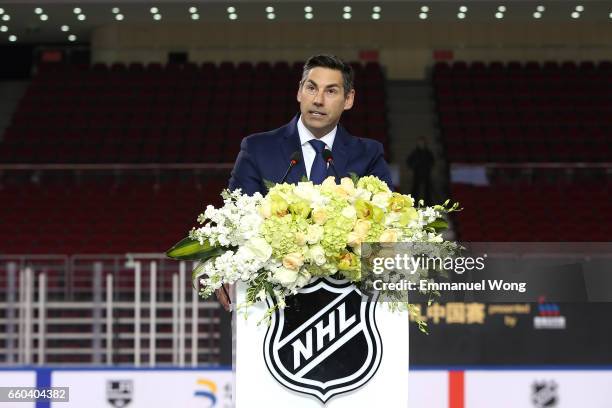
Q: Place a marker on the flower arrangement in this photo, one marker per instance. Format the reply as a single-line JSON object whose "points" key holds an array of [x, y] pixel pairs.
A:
{"points": [[278, 242]]}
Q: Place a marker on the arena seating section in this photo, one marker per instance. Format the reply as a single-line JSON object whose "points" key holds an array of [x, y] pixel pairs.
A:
{"points": [[145, 114], [174, 113], [531, 112], [534, 212], [520, 113]]}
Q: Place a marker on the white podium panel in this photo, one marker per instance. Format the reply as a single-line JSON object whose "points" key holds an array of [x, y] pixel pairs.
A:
{"points": [[328, 347]]}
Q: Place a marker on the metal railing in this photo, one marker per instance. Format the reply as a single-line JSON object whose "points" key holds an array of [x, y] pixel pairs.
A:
{"points": [[123, 312]]}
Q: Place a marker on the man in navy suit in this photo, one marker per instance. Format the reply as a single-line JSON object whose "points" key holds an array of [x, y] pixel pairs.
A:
{"points": [[325, 91]]}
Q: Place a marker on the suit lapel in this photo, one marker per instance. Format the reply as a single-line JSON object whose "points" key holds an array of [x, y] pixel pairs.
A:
{"points": [[290, 144], [340, 152]]}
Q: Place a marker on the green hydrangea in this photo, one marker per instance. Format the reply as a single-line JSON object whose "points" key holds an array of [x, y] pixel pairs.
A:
{"points": [[373, 185], [280, 233], [336, 229]]}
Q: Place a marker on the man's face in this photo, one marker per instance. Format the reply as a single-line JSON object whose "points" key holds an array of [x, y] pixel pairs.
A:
{"points": [[322, 100]]}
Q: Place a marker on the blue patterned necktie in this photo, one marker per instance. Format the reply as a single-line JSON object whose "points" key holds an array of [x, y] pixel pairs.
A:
{"points": [[318, 171]]}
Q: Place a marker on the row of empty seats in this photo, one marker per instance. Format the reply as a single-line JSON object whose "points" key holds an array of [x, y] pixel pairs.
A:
{"points": [[534, 212], [152, 113], [516, 112]]}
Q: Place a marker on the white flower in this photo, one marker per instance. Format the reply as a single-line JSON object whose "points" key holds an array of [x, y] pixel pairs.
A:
{"points": [[285, 276], [305, 190], [314, 234], [316, 253], [260, 248], [381, 199], [349, 212]]}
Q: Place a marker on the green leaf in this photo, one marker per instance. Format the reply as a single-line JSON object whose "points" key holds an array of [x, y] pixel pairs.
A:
{"points": [[269, 184], [438, 225], [354, 177], [191, 250], [304, 179]]}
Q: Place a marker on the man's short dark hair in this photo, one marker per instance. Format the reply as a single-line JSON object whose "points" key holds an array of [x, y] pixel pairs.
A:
{"points": [[331, 62]]}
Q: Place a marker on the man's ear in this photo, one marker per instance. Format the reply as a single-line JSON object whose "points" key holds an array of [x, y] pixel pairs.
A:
{"points": [[298, 96], [349, 100]]}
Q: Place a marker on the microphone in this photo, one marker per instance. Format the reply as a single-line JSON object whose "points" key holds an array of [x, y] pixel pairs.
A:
{"points": [[293, 160], [329, 159]]}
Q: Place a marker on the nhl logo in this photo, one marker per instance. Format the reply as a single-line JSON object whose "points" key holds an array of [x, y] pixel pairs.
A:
{"points": [[325, 342], [119, 393], [544, 394]]}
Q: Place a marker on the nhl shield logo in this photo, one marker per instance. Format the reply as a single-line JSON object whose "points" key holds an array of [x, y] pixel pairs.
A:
{"points": [[325, 342]]}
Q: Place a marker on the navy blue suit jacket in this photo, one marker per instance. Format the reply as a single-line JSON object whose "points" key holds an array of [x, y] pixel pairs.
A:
{"points": [[266, 156]]}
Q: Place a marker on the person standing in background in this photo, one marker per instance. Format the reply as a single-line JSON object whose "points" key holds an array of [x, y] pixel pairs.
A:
{"points": [[421, 161]]}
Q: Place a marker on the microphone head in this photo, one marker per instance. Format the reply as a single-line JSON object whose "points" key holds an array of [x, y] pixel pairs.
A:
{"points": [[295, 157], [327, 156]]}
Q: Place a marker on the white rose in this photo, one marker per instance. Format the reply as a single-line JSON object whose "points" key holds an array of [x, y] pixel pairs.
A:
{"points": [[329, 183], [303, 279], [349, 212], [314, 234], [305, 190], [293, 261], [317, 254], [285, 276], [260, 248], [381, 199], [363, 194]]}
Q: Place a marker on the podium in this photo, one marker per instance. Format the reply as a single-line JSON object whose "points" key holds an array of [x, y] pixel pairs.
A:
{"points": [[332, 346]]}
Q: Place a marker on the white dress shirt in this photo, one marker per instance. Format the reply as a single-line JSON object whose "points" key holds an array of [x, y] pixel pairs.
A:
{"points": [[308, 152]]}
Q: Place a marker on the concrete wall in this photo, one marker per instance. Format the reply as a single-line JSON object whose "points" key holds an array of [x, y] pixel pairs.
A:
{"points": [[405, 49]]}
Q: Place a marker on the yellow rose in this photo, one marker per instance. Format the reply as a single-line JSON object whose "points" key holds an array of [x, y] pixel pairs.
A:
{"points": [[354, 239], [348, 186], [329, 184], [265, 210], [300, 239], [293, 261], [362, 227], [319, 216], [389, 235]]}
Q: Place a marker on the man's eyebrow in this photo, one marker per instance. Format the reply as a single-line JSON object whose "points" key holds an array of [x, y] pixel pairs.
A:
{"points": [[328, 86]]}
